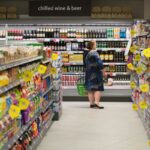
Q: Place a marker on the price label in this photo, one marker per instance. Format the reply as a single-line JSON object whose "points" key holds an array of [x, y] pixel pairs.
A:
{"points": [[14, 111], [132, 84], [135, 107], [144, 88], [27, 76], [132, 49], [130, 66], [54, 56], [53, 71], [137, 57], [147, 52], [139, 70], [23, 103], [42, 69], [133, 32], [149, 142], [143, 105]]}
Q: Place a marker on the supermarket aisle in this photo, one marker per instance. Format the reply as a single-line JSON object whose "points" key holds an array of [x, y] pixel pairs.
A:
{"points": [[116, 127]]}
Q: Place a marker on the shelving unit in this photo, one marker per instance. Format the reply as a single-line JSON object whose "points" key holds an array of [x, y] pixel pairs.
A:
{"points": [[41, 87], [141, 97], [79, 32]]}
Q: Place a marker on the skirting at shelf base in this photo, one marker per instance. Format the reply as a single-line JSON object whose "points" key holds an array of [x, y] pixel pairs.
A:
{"points": [[103, 99]]}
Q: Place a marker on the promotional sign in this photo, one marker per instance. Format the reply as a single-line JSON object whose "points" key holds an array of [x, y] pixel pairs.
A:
{"points": [[59, 8]]}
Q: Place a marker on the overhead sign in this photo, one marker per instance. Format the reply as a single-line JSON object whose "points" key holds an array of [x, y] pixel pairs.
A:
{"points": [[60, 7]]}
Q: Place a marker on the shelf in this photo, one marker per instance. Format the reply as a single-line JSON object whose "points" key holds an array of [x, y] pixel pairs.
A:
{"points": [[10, 86], [109, 63], [109, 73], [2, 39], [38, 139], [24, 128], [49, 89], [12, 141], [121, 87], [115, 63], [18, 63], [111, 49], [68, 64], [73, 73], [46, 61], [71, 52], [49, 104], [45, 76], [80, 39]]}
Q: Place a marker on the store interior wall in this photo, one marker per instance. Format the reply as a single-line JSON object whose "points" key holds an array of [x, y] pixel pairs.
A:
{"points": [[146, 9], [136, 5]]}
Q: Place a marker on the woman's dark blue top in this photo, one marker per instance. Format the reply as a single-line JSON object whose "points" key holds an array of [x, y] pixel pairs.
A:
{"points": [[93, 71]]}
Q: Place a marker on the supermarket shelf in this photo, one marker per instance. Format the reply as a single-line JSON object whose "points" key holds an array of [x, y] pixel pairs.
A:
{"points": [[73, 73], [11, 142], [49, 104], [67, 64], [114, 91], [24, 128], [10, 86], [18, 63], [45, 76], [49, 89], [122, 87], [109, 73], [37, 141], [46, 61], [81, 39], [109, 63], [2, 39], [111, 49], [71, 52], [115, 63]]}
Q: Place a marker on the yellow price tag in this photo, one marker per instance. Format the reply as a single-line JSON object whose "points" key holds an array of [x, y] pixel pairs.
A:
{"points": [[133, 32], [27, 76], [139, 70], [147, 52], [132, 49], [14, 111], [132, 85], [53, 71], [137, 57], [130, 66], [23, 103], [135, 107], [144, 88], [143, 105], [149, 142], [54, 56], [42, 69]]}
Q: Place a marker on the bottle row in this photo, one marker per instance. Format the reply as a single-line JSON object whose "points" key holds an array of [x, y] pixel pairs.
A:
{"points": [[75, 46], [118, 80], [71, 80], [68, 33], [115, 68], [112, 56], [108, 68]]}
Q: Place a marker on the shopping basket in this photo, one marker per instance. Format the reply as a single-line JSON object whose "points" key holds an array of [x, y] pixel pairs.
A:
{"points": [[81, 86]]}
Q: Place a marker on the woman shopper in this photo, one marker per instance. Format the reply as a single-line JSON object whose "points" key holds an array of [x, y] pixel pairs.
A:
{"points": [[93, 75]]}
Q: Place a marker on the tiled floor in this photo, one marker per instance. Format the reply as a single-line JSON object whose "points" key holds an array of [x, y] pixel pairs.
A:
{"points": [[117, 127]]}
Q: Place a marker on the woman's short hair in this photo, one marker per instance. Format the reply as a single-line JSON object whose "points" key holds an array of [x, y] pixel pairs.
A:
{"points": [[91, 45]]}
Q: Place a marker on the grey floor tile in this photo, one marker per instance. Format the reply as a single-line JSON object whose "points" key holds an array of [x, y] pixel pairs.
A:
{"points": [[117, 127]]}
